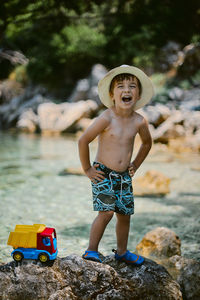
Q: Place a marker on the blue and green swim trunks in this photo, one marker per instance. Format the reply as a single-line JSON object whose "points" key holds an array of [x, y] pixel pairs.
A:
{"points": [[114, 193]]}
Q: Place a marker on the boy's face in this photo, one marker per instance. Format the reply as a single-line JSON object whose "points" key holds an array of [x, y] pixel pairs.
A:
{"points": [[125, 93]]}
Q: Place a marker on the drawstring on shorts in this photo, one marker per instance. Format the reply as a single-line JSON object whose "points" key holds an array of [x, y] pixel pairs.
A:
{"points": [[111, 180]]}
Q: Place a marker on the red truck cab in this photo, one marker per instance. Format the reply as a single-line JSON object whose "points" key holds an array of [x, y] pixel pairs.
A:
{"points": [[47, 240]]}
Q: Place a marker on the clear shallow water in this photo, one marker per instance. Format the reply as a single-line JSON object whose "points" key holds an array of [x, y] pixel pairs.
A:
{"points": [[31, 191]]}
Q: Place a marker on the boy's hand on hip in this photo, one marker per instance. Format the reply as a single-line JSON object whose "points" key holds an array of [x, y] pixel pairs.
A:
{"points": [[94, 175], [131, 169]]}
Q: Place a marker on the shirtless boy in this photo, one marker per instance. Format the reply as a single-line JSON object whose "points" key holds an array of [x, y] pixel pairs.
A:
{"points": [[123, 90]]}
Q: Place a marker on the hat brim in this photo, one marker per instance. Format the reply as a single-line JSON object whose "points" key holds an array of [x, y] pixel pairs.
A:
{"points": [[146, 84]]}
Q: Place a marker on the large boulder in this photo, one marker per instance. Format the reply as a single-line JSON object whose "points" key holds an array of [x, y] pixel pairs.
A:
{"points": [[187, 275], [164, 246], [28, 121], [160, 242], [10, 113], [152, 183], [62, 117], [74, 278], [83, 124], [166, 124], [168, 128], [156, 114], [188, 144]]}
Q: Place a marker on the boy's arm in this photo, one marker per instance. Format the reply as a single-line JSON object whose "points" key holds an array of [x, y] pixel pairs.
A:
{"points": [[87, 137], [144, 148]]}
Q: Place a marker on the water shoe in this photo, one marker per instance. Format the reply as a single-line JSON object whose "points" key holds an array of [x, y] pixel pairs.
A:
{"points": [[91, 255], [129, 258]]}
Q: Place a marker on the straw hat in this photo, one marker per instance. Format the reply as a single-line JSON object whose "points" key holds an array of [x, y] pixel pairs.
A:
{"points": [[146, 84]]}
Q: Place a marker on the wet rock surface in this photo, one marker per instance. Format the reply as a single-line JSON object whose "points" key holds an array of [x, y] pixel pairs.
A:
{"points": [[74, 278], [164, 275], [188, 276]]}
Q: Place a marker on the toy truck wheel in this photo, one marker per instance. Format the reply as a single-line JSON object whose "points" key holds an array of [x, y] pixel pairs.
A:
{"points": [[43, 257], [18, 256]]}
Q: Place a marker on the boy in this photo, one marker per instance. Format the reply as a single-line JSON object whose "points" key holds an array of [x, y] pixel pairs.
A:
{"points": [[123, 90]]}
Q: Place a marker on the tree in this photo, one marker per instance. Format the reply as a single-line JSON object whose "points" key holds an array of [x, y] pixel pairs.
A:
{"points": [[63, 39]]}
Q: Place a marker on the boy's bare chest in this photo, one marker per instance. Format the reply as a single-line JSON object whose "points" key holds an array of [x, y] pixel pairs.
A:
{"points": [[121, 131]]}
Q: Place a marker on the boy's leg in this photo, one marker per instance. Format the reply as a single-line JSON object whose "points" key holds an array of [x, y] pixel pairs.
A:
{"points": [[122, 232], [97, 229]]}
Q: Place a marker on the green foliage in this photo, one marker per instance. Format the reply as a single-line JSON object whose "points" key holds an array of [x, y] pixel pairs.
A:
{"points": [[77, 40], [159, 81], [20, 74], [195, 39], [63, 39], [196, 77]]}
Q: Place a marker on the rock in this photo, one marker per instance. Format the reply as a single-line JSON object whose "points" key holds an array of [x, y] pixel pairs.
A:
{"points": [[62, 117], [191, 122], [160, 242], [9, 89], [28, 121], [152, 183], [167, 130], [83, 124], [191, 100], [10, 113], [72, 171], [97, 73], [31, 98], [185, 145], [188, 276], [169, 55], [88, 88], [74, 278], [176, 93], [185, 62], [157, 114], [180, 126], [81, 91], [180, 99], [14, 57]]}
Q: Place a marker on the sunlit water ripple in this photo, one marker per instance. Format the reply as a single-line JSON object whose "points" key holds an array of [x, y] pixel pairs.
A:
{"points": [[32, 191]]}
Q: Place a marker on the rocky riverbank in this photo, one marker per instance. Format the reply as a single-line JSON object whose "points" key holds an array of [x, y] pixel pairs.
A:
{"points": [[173, 114], [72, 277]]}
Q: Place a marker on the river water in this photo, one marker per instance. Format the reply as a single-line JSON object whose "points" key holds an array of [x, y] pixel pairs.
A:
{"points": [[32, 191]]}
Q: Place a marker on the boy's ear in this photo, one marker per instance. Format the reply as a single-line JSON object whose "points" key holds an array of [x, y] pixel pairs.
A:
{"points": [[111, 96]]}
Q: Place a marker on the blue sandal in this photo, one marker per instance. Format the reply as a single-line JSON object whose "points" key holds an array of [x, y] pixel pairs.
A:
{"points": [[91, 255], [130, 258]]}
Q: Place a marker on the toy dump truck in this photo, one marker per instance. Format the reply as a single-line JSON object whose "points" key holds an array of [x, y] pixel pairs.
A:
{"points": [[33, 242]]}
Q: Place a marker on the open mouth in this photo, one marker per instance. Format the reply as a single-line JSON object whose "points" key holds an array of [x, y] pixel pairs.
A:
{"points": [[126, 99]]}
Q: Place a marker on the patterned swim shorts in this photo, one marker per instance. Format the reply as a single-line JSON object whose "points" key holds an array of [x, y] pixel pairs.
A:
{"points": [[114, 193]]}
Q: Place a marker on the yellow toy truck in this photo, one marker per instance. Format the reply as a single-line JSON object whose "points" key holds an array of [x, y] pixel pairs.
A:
{"points": [[33, 242]]}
